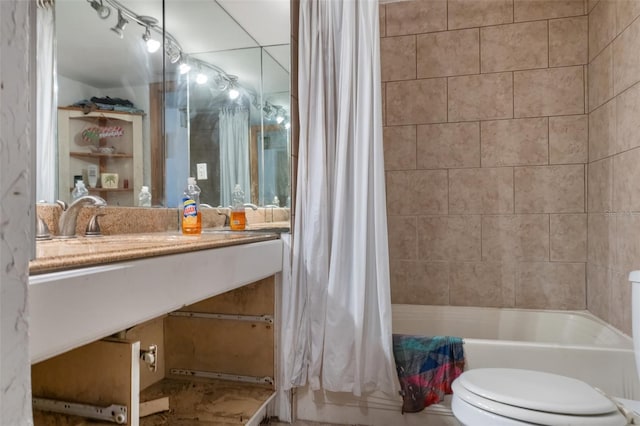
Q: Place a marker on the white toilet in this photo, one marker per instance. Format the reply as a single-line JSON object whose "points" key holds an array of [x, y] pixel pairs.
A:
{"points": [[506, 396]]}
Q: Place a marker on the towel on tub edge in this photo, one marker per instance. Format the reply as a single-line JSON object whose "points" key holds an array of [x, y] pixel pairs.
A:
{"points": [[426, 368]]}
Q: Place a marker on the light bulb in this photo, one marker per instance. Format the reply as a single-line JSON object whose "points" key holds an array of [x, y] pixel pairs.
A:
{"points": [[201, 78], [233, 93], [184, 68], [287, 125], [153, 45]]}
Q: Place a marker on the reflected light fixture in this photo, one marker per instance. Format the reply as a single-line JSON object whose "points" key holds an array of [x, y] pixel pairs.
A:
{"points": [[122, 22], [184, 67], [173, 52], [148, 22], [201, 78], [233, 90], [279, 115], [152, 45], [102, 10]]}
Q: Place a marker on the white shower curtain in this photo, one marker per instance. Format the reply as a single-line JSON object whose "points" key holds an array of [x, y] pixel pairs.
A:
{"points": [[337, 309], [46, 108], [234, 153]]}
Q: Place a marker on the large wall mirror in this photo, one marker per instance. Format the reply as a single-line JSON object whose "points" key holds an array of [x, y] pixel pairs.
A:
{"points": [[211, 101]]}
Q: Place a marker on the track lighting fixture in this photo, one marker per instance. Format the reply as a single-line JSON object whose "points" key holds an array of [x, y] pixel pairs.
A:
{"points": [[152, 45], [173, 52], [122, 22], [233, 91], [279, 115], [201, 78], [102, 10]]}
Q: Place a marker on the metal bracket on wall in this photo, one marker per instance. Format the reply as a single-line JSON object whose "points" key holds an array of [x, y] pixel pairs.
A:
{"points": [[222, 376], [113, 413], [231, 317]]}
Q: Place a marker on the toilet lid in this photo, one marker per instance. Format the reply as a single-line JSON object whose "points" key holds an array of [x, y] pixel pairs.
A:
{"points": [[477, 410], [536, 390]]}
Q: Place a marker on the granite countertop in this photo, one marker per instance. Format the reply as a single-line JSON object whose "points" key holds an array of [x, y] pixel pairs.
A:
{"points": [[61, 254]]}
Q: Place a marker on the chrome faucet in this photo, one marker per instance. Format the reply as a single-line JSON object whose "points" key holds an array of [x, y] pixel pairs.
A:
{"points": [[69, 216]]}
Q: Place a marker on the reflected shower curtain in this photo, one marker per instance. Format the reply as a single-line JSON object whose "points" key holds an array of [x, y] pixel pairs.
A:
{"points": [[46, 105], [337, 308], [234, 153]]}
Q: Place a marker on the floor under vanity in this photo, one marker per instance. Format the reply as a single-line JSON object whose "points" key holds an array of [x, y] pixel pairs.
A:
{"points": [[229, 335]]}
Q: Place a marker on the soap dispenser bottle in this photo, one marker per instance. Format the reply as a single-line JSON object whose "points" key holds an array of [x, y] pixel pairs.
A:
{"points": [[79, 191], [191, 215], [238, 217]]}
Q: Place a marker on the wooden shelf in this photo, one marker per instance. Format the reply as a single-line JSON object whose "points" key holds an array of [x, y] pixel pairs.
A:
{"points": [[100, 111], [79, 154]]}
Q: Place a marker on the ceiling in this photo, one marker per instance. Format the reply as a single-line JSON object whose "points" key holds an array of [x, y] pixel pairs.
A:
{"points": [[226, 32]]}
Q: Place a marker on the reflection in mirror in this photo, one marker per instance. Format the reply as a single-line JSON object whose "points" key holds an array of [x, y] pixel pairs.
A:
{"points": [[161, 123]]}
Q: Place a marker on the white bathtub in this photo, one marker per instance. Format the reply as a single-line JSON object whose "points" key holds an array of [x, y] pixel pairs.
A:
{"points": [[571, 343]]}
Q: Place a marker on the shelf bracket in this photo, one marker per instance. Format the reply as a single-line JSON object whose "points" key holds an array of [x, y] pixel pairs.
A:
{"points": [[114, 413], [222, 376]]}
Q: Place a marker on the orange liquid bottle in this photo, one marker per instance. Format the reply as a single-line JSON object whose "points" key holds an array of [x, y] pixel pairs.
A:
{"points": [[191, 222], [238, 220]]}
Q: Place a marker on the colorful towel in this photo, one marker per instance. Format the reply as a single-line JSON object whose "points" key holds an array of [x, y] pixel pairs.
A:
{"points": [[426, 368]]}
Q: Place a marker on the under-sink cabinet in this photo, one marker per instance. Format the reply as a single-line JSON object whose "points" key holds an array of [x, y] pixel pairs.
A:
{"points": [[180, 346], [209, 363]]}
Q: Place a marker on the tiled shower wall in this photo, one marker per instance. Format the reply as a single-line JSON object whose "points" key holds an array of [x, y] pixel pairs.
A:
{"points": [[486, 151], [614, 158]]}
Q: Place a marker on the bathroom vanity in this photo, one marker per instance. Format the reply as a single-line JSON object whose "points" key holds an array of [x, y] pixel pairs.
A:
{"points": [[186, 325]]}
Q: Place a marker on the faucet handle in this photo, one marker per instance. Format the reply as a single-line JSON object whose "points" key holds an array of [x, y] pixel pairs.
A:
{"points": [[93, 227], [42, 230]]}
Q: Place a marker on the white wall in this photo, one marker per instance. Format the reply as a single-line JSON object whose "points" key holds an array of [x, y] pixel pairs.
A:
{"points": [[17, 136]]}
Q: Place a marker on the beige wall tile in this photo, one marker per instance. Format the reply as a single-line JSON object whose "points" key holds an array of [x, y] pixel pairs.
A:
{"points": [[473, 13], [626, 61], [486, 190], [480, 97], [514, 47], [626, 178], [382, 9], [568, 41], [602, 131], [421, 283], [529, 10], [627, 122], [449, 238], [403, 240], [620, 307], [551, 286], [591, 4], [554, 91], [627, 242], [399, 147], [600, 186], [568, 139], [586, 87], [626, 12], [384, 103], [449, 53], [417, 16], [481, 284], [449, 145], [601, 245], [417, 101], [549, 189], [515, 142], [598, 290], [568, 237], [515, 237], [398, 58], [417, 192], [602, 26], [601, 79]]}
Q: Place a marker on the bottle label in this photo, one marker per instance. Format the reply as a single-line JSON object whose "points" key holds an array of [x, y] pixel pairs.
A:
{"points": [[190, 211]]}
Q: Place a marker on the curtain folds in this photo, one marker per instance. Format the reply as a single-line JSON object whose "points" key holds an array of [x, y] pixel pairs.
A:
{"points": [[234, 153], [337, 308], [46, 105]]}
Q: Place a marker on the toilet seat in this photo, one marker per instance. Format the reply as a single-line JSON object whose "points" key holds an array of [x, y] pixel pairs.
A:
{"points": [[524, 396]]}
